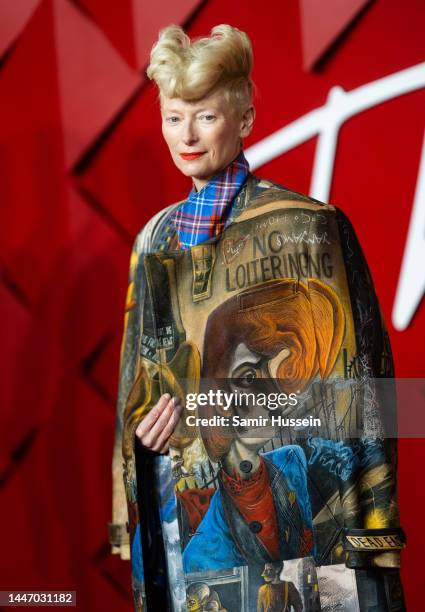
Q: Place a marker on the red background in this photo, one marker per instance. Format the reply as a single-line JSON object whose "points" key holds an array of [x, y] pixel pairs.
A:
{"points": [[82, 168]]}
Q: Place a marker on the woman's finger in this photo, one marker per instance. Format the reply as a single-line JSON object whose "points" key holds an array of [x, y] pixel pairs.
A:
{"points": [[168, 428], [150, 419], [164, 450], [149, 438], [161, 421]]}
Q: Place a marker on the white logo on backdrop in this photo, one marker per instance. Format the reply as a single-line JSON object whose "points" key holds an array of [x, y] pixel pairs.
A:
{"points": [[325, 122]]}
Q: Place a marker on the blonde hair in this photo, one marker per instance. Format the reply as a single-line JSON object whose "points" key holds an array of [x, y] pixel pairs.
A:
{"points": [[191, 69]]}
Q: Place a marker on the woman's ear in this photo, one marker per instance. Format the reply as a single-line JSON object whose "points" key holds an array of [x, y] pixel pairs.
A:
{"points": [[247, 121]]}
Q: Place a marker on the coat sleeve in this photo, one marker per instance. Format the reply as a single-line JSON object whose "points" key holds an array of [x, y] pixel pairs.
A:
{"points": [[118, 528], [373, 537], [149, 235]]}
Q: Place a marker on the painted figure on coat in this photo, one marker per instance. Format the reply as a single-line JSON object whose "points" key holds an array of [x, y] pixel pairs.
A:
{"points": [[261, 510], [277, 595], [202, 598]]}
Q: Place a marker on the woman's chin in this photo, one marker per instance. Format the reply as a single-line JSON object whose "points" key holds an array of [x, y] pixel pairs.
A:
{"points": [[192, 166]]}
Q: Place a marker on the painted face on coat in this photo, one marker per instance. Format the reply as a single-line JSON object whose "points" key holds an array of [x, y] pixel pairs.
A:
{"points": [[249, 368], [271, 572], [280, 333], [204, 136]]}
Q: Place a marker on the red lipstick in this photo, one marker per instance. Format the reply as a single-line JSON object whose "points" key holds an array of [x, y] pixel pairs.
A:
{"points": [[189, 156]]}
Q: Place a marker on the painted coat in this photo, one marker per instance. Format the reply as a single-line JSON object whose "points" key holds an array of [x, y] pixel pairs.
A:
{"points": [[282, 301]]}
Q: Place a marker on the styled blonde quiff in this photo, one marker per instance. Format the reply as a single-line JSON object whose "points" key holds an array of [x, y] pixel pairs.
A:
{"points": [[192, 69]]}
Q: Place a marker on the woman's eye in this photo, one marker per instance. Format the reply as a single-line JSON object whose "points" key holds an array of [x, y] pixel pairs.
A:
{"points": [[172, 119], [208, 118]]}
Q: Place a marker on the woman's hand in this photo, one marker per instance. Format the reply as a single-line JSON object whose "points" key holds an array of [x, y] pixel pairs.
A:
{"points": [[157, 426]]}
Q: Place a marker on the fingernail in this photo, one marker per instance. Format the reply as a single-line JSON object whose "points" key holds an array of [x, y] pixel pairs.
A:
{"points": [[167, 396]]}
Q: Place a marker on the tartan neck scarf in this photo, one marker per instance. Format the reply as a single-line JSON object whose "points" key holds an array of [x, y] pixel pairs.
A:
{"points": [[203, 214]]}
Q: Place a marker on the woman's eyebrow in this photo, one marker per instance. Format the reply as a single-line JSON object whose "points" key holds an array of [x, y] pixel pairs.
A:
{"points": [[195, 110]]}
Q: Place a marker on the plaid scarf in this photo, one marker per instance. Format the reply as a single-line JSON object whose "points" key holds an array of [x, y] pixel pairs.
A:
{"points": [[203, 214]]}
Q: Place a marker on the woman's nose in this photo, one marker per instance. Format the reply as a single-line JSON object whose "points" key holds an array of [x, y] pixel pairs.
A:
{"points": [[189, 135]]}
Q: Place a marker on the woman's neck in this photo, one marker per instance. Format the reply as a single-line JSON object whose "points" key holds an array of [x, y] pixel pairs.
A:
{"points": [[200, 183]]}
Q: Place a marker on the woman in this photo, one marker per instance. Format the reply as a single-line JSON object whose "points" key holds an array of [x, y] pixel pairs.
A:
{"points": [[248, 285]]}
